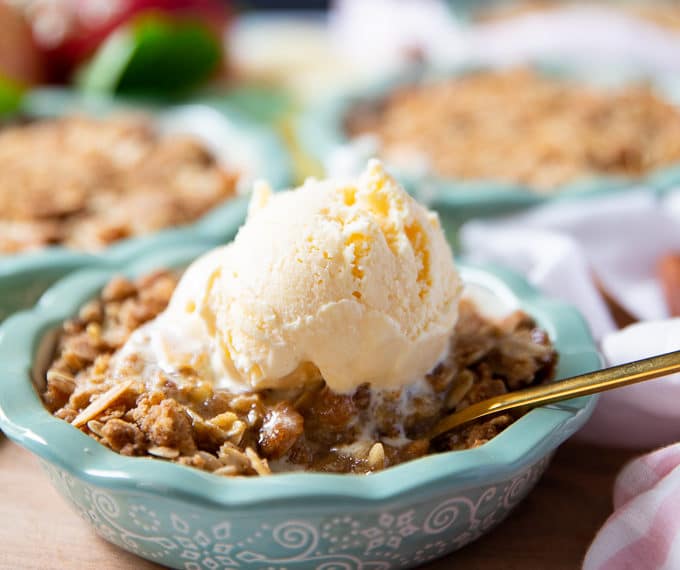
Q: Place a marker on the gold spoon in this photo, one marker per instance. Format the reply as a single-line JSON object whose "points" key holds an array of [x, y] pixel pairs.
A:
{"points": [[582, 385]]}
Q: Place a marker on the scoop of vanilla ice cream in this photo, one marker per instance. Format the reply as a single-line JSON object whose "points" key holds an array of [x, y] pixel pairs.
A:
{"points": [[354, 279]]}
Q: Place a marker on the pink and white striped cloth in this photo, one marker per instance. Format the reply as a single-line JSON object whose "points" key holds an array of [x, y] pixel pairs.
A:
{"points": [[644, 531], [557, 248]]}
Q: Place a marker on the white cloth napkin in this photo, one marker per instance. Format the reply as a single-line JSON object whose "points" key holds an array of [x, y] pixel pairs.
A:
{"points": [[592, 34], [619, 238], [378, 34]]}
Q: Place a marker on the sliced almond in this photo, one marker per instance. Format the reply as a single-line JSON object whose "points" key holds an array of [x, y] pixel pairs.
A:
{"points": [[104, 401], [227, 471], [376, 456], [260, 465], [230, 455], [460, 389], [95, 427], [61, 380], [163, 452], [235, 433]]}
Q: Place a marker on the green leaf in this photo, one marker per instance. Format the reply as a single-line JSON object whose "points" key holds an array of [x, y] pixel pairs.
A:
{"points": [[10, 96], [154, 55]]}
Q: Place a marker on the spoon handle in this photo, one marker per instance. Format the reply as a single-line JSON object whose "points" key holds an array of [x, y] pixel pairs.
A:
{"points": [[582, 385]]}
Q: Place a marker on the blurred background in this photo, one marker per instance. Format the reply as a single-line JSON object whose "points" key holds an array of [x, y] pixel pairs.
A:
{"points": [[171, 48], [274, 62]]}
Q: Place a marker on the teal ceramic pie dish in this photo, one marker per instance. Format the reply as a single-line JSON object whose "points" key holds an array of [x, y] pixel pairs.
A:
{"points": [[322, 135], [186, 518], [470, 12], [254, 150]]}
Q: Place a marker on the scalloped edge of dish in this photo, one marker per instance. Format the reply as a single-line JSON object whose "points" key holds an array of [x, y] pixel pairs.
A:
{"points": [[26, 421]]}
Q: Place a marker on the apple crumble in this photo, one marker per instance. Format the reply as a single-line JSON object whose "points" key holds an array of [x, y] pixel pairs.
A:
{"points": [[519, 126], [664, 14], [188, 421], [85, 183]]}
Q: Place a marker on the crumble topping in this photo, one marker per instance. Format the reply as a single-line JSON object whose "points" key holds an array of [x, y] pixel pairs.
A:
{"points": [[313, 428], [665, 15], [519, 126], [85, 183]]}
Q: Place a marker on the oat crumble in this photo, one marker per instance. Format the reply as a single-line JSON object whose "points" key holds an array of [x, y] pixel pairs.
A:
{"points": [[254, 434], [519, 126], [664, 14], [85, 183]]}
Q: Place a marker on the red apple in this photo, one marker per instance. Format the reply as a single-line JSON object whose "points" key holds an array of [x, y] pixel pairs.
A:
{"points": [[20, 59], [70, 32]]}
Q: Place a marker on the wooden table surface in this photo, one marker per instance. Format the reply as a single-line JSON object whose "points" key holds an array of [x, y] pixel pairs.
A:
{"points": [[550, 529]]}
